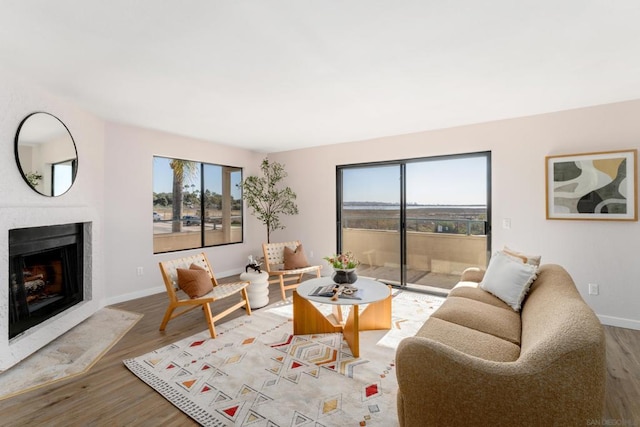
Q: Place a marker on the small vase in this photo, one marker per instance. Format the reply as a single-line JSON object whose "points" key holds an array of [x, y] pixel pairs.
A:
{"points": [[341, 276]]}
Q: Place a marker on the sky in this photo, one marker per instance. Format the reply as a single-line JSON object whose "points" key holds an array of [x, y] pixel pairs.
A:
{"points": [[163, 178], [451, 181]]}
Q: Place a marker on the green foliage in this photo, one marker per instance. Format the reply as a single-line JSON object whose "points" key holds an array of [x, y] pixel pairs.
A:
{"points": [[191, 198], [267, 200], [34, 178], [162, 199]]}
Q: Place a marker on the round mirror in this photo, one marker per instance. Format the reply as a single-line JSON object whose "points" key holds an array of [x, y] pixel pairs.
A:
{"points": [[46, 154]]}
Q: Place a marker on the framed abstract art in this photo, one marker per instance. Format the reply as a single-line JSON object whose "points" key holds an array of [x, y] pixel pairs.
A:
{"points": [[595, 186]]}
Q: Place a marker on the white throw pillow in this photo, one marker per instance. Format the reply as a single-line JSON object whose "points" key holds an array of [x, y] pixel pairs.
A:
{"points": [[508, 279]]}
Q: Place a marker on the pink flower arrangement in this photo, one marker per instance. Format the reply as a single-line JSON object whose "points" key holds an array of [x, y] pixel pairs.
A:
{"points": [[343, 261]]}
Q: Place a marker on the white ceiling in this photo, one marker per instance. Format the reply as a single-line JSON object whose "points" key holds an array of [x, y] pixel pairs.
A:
{"points": [[274, 75]]}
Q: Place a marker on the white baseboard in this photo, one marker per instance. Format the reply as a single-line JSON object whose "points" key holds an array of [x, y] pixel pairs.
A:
{"points": [[133, 295], [619, 322]]}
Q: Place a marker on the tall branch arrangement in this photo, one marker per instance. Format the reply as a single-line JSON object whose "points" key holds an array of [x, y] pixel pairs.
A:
{"points": [[268, 201]]}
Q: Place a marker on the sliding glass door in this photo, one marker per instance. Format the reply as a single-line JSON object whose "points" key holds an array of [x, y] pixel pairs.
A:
{"points": [[416, 221], [446, 218], [370, 219]]}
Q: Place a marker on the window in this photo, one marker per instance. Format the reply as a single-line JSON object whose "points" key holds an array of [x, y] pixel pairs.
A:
{"points": [[62, 175], [195, 204]]}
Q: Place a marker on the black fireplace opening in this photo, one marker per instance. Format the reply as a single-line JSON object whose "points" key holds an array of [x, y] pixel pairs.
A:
{"points": [[45, 273]]}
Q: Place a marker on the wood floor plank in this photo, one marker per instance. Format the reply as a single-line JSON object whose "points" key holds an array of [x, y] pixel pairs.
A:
{"points": [[623, 376], [110, 395]]}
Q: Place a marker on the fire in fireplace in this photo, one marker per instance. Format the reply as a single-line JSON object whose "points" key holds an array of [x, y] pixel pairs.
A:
{"points": [[45, 273]]}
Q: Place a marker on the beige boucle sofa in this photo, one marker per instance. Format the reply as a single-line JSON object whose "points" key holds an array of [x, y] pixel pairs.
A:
{"points": [[476, 361]]}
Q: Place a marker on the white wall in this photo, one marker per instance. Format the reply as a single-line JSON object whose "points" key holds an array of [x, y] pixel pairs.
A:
{"points": [[21, 207], [592, 251], [129, 204]]}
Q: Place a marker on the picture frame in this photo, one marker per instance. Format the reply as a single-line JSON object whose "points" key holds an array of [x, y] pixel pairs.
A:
{"points": [[592, 186]]}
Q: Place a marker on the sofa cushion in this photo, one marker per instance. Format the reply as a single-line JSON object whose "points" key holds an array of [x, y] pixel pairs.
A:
{"points": [[508, 278], [472, 290], [500, 322], [469, 341]]}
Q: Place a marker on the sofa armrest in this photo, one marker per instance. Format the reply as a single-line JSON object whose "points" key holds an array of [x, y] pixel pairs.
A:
{"points": [[472, 274], [439, 385]]}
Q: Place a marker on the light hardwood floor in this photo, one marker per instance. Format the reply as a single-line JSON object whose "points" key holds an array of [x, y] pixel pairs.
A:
{"points": [[109, 395]]}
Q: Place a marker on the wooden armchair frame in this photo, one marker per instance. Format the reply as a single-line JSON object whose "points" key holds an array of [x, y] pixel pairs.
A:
{"points": [[178, 299], [274, 263]]}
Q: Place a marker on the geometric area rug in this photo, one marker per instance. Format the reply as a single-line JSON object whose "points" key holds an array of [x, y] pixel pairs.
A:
{"points": [[69, 355], [257, 373]]}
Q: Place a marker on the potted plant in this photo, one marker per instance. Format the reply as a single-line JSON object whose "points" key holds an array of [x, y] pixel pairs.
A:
{"points": [[267, 199], [34, 178], [344, 267]]}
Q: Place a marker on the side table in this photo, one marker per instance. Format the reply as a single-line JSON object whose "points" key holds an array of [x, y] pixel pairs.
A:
{"points": [[258, 289]]}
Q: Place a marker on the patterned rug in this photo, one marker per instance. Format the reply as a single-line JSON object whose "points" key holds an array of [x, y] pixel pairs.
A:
{"points": [[71, 354], [256, 373]]}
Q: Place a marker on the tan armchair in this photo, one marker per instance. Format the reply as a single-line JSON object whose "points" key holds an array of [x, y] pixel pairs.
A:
{"points": [[274, 263], [177, 298]]}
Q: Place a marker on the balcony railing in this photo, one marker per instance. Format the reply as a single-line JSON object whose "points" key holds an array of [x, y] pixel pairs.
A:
{"points": [[433, 258], [470, 227]]}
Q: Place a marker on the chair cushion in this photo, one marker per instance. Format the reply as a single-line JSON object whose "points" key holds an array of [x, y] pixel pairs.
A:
{"points": [[295, 258], [194, 281]]}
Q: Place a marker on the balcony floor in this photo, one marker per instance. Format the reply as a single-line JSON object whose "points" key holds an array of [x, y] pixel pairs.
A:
{"points": [[414, 277]]}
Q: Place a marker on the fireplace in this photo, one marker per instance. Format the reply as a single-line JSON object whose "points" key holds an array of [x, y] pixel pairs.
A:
{"points": [[45, 273]]}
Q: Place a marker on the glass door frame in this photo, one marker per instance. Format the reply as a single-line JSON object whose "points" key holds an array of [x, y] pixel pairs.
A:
{"points": [[402, 163]]}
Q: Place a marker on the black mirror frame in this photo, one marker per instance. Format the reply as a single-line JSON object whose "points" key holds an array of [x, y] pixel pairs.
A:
{"points": [[17, 155]]}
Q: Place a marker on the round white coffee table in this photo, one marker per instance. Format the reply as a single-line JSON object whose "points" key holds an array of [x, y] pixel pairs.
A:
{"points": [[307, 319], [258, 289]]}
